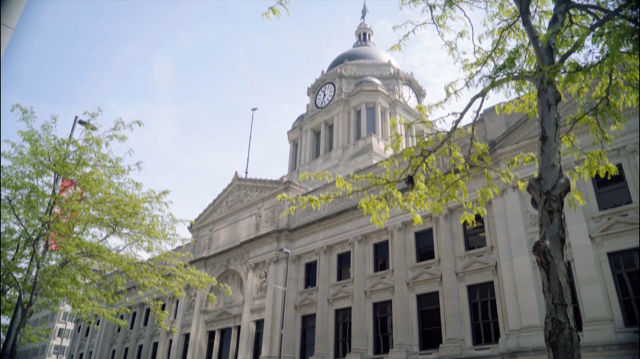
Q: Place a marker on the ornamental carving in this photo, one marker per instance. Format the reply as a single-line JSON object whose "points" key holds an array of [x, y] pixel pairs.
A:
{"points": [[271, 216], [261, 283], [532, 220], [233, 281], [191, 304], [237, 198]]}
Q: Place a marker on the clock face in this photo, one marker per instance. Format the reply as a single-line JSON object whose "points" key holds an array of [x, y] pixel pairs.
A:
{"points": [[409, 96], [325, 95]]}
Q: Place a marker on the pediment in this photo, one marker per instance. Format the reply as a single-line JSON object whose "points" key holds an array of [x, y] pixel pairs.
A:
{"points": [[307, 300], [475, 264], [616, 226], [222, 313], [424, 275], [340, 292], [379, 285], [238, 193]]}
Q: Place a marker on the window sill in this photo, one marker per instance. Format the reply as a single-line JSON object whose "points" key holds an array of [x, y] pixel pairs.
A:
{"points": [[344, 282], [613, 212], [476, 252], [384, 273], [424, 264]]}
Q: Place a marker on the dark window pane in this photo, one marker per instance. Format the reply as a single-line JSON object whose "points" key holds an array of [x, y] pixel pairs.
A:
{"points": [[139, 354], [574, 299], [358, 125], [381, 256], [613, 192], [308, 336], [474, 237], [310, 274], [257, 341], [225, 344], [154, 351], [371, 120], [342, 332], [146, 316], [382, 328], [133, 320], [429, 321], [344, 266], [625, 267], [185, 345], [424, 245], [482, 304]]}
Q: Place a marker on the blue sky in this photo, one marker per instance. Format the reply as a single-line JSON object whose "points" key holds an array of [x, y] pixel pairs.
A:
{"points": [[191, 71]]}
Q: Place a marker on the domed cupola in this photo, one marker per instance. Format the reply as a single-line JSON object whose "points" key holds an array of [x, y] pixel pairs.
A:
{"points": [[364, 49]]}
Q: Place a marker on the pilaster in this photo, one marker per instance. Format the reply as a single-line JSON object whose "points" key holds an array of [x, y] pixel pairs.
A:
{"points": [[322, 313], [353, 125], [323, 138], [148, 335], [387, 123], [363, 120], [197, 339], [133, 344], [377, 117], [290, 336], [272, 313], [402, 344], [336, 131], [245, 335], [177, 337], [453, 339], [358, 310], [234, 337]]}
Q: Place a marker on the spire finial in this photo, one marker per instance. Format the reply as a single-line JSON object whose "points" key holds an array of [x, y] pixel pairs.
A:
{"points": [[365, 10]]}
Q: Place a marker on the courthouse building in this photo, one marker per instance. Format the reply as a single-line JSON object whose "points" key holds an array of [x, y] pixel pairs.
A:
{"points": [[354, 290]]}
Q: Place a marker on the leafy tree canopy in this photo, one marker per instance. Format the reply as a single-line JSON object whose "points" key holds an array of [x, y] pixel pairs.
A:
{"points": [[77, 227]]}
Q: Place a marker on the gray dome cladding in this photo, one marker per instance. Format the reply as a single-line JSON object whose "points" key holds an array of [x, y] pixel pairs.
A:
{"points": [[364, 53]]}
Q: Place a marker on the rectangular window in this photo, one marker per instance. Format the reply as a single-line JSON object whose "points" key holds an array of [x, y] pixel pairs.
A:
{"points": [[371, 120], [164, 306], [358, 125], [80, 327], [90, 355], [126, 353], [574, 299], [225, 344], [474, 237], [382, 328], [316, 142], [154, 351], [64, 316], [86, 332], [310, 270], [175, 314], [133, 320], [424, 245], [257, 340], [67, 333], [295, 156], [63, 350], [146, 316], [237, 343], [624, 267], [60, 332], [381, 256], [308, 340], [329, 137], [612, 192], [429, 321], [139, 354], [56, 349], [344, 266], [343, 333], [185, 345], [169, 348], [119, 327], [484, 314], [81, 356], [211, 338], [113, 354]]}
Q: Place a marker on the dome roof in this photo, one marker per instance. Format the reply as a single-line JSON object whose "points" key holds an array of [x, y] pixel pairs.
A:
{"points": [[363, 53], [372, 80], [300, 118]]}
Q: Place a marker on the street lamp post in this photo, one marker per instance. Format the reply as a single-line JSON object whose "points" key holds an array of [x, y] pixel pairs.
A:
{"points": [[284, 300], [16, 317]]}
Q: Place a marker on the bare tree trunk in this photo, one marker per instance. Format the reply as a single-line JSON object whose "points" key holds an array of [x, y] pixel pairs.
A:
{"points": [[549, 190]]}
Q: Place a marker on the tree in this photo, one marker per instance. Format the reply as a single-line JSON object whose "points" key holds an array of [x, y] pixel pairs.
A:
{"points": [[76, 227], [538, 53]]}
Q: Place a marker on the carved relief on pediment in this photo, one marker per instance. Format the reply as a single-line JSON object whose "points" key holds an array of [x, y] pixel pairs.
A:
{"points": [[238, 197], [261, 283]]}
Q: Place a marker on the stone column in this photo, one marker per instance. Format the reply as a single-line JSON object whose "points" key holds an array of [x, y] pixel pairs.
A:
{"points": [[272, 313], [363, 119], [303, 147], [163, 340], [299, 152], [322, 311], [291, 157], [353, 125], [402, 343], [216, 343], [197, 341], [597, 319], [336, 131], [97, 343], [377, 120], [177, 337], [505, 266], [387, 124], [120, 341], [358, 310], [522, 262], [148, 335], [76, 338], [290, 336], [246, 334], [323, 138], [88, 339], [413, 134], [453, 338], [133, 347]]}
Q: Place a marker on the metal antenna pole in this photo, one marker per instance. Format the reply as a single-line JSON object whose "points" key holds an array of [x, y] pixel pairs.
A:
{"points": [[246, 171]]}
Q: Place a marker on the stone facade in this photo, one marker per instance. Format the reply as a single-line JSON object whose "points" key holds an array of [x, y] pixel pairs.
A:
{"points": [[61, 326], [238, 239]]}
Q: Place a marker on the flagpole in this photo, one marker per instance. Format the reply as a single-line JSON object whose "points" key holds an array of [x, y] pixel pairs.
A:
{"points": [[246, 171]]}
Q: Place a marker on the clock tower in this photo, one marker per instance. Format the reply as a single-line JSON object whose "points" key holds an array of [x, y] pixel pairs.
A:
{"points": [[347, 124]]}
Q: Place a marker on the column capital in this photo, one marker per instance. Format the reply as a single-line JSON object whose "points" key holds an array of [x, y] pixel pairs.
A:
{"points": [[355, 240], [398, 227], [321, 250]]}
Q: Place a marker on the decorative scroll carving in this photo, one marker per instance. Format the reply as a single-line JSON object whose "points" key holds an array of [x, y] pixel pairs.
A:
{"points": [[191, 304], [261, 283], [237, 198]]}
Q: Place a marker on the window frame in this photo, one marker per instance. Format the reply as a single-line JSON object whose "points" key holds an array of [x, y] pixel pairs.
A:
{"points": [[614, 274], [308, 276], [377, 335], [303, 329], [604, 193], [420, 309], [378, 259], [258, 336], [346, 254], [492, 299], [417, 246], [338, 339], [475, 231]]}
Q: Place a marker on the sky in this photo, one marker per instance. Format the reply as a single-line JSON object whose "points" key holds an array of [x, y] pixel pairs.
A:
{"points": [[192, 71]]}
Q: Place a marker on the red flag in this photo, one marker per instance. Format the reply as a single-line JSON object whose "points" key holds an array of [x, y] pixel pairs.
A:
{"points": [[67, 187]]}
